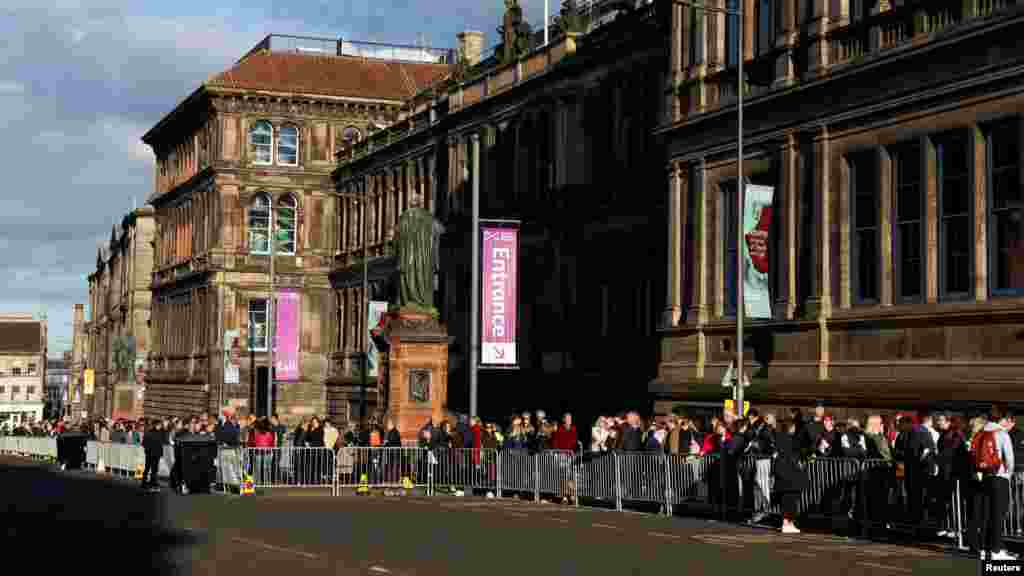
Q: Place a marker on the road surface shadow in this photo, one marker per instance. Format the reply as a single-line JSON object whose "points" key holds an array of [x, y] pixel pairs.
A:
{"points": [[75, 520]]}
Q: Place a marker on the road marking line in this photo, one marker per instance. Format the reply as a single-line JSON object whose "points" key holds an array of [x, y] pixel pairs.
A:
{"points": [[795, 553], [273, 548], [715, 541], [517, 514], [884, 567], [379, 570], [561, 520], [605, 526], [663, 535]]}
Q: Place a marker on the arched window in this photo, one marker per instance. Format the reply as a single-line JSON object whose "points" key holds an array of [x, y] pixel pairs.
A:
{"points": [[259, 225], [285, 224], [261, 142], [288, 146]]}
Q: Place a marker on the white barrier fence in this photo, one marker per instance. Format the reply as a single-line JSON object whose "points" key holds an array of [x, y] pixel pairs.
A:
{"points": [[37, 448]]}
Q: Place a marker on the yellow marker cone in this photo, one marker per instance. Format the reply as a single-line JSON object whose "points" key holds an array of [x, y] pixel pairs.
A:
{"points": [[140, 471], [407, 483], [364, 485], [247, 487]]}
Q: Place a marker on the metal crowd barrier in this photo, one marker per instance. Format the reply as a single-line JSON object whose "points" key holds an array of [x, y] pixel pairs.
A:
{"points": [[870, 493], [291, 466], [35, 447]]}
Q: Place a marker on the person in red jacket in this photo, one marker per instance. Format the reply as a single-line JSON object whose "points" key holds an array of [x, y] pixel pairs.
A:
{"points": [[477, 431], [565, 438]]}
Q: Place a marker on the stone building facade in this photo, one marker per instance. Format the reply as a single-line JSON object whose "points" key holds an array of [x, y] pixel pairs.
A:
{"points": [[22, 368], [119, 318], [79, 356], [565, 143], [254, 147], [892, 134]]}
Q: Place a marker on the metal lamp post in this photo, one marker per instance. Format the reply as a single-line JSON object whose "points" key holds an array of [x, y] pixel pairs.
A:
{"points": [[738, 13]]}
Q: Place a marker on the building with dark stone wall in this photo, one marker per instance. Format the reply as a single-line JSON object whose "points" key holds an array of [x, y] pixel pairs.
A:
{"points": [[566, 147], [892, 133]]}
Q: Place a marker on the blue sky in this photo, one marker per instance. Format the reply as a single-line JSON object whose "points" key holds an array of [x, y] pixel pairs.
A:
{"points": [[80, 82]]}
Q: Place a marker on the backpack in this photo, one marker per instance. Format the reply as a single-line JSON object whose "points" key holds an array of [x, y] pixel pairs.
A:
{"points": [[986, 452]]}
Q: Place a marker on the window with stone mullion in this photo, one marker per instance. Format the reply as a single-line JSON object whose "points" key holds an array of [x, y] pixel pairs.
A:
{"points": [[259, 225], [908, 223], [1006, 212], [955, 222], [258, 313], [261, 142], [728, 224], [865, 203], [285, 226]]}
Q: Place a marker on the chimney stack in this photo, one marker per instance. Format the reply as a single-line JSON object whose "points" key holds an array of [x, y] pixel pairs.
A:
{"points": [[471, 45]]}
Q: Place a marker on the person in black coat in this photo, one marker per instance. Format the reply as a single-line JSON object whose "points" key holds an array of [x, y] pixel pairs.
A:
{"points": [[790, 478], [153, 446]]}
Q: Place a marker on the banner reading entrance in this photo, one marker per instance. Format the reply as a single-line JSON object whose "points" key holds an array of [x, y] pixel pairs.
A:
{"points": [[499, 307], [286, 356], [757, 221]]}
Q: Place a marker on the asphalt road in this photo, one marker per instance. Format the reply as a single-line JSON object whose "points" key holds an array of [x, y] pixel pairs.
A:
{"points": [[109, 524]]}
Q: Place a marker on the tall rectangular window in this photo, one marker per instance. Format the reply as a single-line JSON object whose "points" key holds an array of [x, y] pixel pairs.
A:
{"points": [[728, 227], [908, 224], [696, 37], [1006, 209], [955, 222], [732, 29], [766, 26], [864, 205], [258, 312]]}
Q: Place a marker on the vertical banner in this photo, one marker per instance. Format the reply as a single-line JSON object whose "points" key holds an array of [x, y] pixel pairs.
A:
{"points": [[286, 328], [499, 306], [376, 312], [89, 381], [757, 221]]}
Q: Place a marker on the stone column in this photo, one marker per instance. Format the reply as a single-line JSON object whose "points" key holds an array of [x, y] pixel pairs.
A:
{"points": [[929, 183], [786, 223], [885, 279], [697, 312], [675, 76], [823, 209], [977, 166], [676, 219]]}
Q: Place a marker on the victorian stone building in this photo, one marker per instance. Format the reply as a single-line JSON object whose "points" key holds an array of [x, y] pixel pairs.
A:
{"points": [[891, 133], [564, 133], [251, 151], [117, 328], [22, 368]]}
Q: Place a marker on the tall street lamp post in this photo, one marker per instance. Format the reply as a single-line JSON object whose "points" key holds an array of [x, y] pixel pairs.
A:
{"points": [[738, 13]]}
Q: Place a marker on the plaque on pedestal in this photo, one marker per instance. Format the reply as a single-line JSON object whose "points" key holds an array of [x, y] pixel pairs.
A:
{"points": [[417, 370]]}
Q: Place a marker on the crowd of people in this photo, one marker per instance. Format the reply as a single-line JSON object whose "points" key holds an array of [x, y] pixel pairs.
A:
{"points": [[916, 459]]}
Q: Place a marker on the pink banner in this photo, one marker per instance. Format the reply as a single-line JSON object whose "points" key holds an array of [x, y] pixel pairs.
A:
{"points": [[286, 349], [500, 305]]}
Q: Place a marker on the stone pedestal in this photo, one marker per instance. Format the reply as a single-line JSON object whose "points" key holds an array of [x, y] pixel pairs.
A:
{"points": [[418, 370]]}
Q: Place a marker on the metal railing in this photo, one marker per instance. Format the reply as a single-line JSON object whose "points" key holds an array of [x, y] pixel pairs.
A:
{"points": [[871, 494]]}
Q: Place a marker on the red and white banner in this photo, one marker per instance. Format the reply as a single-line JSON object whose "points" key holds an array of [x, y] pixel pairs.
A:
{"points": [[499, 307]]}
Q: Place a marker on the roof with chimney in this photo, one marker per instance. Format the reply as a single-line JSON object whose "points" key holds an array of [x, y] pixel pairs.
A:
{"points": [[20, 337]]}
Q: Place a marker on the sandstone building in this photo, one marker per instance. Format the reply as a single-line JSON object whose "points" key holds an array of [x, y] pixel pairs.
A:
{"points": [[118, 324], [565, 138], [79, 348], [253, 147], [22, 368], [892, 134]]}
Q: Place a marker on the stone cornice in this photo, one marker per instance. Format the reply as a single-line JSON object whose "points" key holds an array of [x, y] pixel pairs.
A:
{"points": [[294, 105]]}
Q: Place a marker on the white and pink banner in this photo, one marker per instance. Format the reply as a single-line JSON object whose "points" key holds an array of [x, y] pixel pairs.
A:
{"points": [[499, 307], [286, 351]]}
